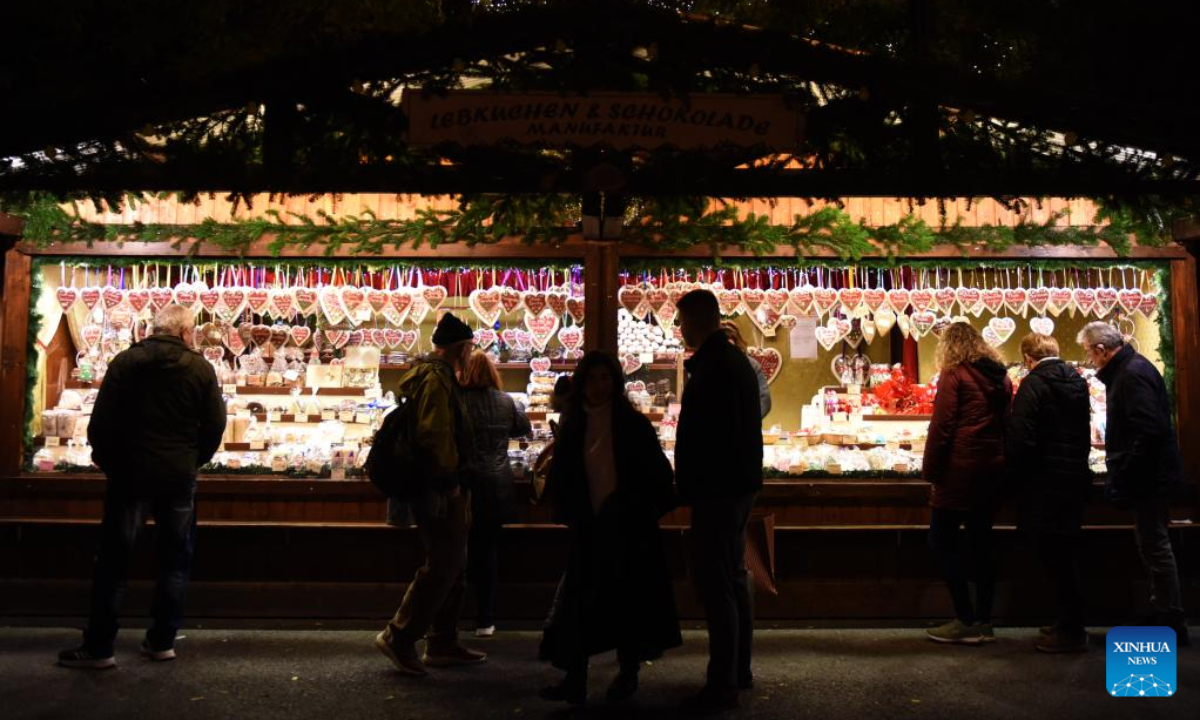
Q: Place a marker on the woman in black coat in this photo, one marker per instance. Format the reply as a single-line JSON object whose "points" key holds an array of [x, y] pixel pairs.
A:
{"points": [[1048, 441], [610, 483]]}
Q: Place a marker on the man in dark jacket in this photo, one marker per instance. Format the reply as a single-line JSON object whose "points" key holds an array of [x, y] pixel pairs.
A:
{"points": [[718, 470], [1048, 441], [1142, 455], [158, 417], [442, 511]]}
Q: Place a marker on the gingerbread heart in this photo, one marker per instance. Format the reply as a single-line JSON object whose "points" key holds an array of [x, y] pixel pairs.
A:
{"points": [[752, 298], [787, 322], [542, 327], [234, 341], [307, 300], [353, 298], [921, 299], [233, 300], [851, 298], [631, 363], [434, 296], [904, 324], [968, 299], [411, 338], [330, 299], [922, 322], [898, 299], [802, 299], [540, 364], [510, 299], [769, 360], [941, 325], [111, 297], [874, 299], [575, 308], [637, 386], [992, 299], [824, 299], [885, 320], [509, 336], [990, 337], [827, 336], [90, 335], [209, 299], [485, 337], [656, 298], [1148, 305], [944, 298], [1107, 299], [300, 334], [666, 314], [1015, 299], [1060, 299], [571, 337], [258, 300], [66, 297], [377, 299], [1038, 299], [535, 302], [400, 300], [486, 305], [260, 335], [868, 329], [1130, 299], [393, 337], [524, 340], [89, 296], [283, 303], [730, 301], [419, 308], [1084, 299], [777, 299], [356, 337], [379, 338], [160, 297], [337, 337], [557, 301], [138, 299], [1042, 325], [1003, 327], [214, 353], [120, 316]]}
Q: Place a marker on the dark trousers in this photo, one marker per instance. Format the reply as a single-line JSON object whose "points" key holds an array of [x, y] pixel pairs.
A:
{"points": [[718, 563], [434, 597], [483, 569], [951, 534], [125, 511], [1154, 545], [1059, 554]]}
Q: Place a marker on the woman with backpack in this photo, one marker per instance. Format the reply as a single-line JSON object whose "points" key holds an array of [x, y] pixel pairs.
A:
{"points": [[964, 463], [610, 483], [495, 418]]}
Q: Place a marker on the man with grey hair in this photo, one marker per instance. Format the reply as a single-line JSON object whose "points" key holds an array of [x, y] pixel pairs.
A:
{"points": [[159, 416], [1144, 470]]}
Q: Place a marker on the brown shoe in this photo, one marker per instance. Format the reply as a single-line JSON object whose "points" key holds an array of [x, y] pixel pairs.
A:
{"points": [[1062, 642], [452, 655], [402, 655]]}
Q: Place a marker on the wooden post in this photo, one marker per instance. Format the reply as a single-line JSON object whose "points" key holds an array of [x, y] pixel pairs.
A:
{"points": [[1185, 319], [13, 360], [601, 279]]}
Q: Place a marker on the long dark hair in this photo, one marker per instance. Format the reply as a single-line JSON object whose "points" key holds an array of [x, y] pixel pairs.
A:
{"points": [[592, 361]]}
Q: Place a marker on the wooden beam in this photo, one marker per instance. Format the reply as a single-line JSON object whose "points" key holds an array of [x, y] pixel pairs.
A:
{"points": [[1185, 323], [13, 359], [949, 252], [11, 225]]}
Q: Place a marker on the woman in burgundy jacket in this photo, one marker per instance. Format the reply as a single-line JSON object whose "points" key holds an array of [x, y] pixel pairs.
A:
{"points": [[964, 463]]}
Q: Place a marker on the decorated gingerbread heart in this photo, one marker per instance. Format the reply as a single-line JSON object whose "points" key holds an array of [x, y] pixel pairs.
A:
{"points": [[921, 299], [898, 299], [410, 339], [777, 299], [968, 299], [824, 299], [330, 298], [160, 297], [90, 296], [802, 299], [827, 336], [542, 327], [631, 363], [540, 364], [485, 338], [575, 308], [337, 337], [656, 298], [769, 359], [730, 302], [1084, 299], [258, 300], [557, 301], [233, 300], [282, 305], [752, 298], [91, 334], [1059, 301], [851, 298], [944, 298], [1038, 299], [419, 308], [67, 296], [1107, 299], [1015, 299], [434, 295], [306, 300], [535, 302], [377, 299], [300, 334], [1148, 305], [571, 337], [111, 297], [486, 305], [510, 299], [353, 298], [1042, 325], [922, 322], [1003, 327], [990, 336], [992, 299], [138, 299], [209, 299], [1130, 299]]}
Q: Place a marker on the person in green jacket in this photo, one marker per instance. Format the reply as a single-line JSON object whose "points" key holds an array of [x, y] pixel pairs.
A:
{"points": [[442, 511]]}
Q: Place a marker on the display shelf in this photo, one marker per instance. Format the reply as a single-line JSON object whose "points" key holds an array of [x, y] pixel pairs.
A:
{"points": [[73, 384], [264, 390], [246, 446]]}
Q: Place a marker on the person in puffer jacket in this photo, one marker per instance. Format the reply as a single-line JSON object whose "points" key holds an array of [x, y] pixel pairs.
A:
{"points": [[1048, 441], [964, 463]]}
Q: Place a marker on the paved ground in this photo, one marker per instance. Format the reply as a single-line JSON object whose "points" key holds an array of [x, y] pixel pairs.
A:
{"points": [[289, 674]]}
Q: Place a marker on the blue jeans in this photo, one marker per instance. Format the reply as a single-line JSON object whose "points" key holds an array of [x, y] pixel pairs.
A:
{"points": [[174, 513]]}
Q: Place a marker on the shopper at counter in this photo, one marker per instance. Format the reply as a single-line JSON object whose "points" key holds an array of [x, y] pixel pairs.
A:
{"points": [[609, 483], [718, 470], [158, 417], [1144, 469], [1047, 446], [495, 418], [764, 388], [442, 511], [964, 463]]}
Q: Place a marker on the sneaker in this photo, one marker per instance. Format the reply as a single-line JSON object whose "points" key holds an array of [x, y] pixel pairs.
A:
{"points": [[402, 655], [956, 632], [1061, 642], [81, 657], [485, 632], [157, 655], [986, 632], [452, 655], [623, 686], [709, 702]]}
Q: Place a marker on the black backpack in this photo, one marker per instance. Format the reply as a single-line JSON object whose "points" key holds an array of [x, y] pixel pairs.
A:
{"points": [[392, 463]]}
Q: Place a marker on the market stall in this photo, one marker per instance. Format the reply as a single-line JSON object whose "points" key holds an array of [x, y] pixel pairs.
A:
{"points": [[307, 349]]}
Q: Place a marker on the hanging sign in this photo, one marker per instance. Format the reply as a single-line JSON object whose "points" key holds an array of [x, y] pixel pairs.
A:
{"points": [[618, 120]]}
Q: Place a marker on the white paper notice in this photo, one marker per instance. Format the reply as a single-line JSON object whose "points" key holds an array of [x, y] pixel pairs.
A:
{"points": [[803, 338]]}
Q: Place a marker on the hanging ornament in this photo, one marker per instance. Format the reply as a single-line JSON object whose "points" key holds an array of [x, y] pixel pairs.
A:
{"points": [[67, 296], [898, 300], [258, 300], [1129, 298], [542, 326], [1084, 299], [992, 299], [306, 300], [904, 324], [801, 298], [777, 300], [486, 305], [921, 322], [1015, 299], [510, 299], [1038, 299], [1060, 300], [434, 296], [769, 360], [571, 337], [1003, 327], [944, 298], [575, 308], [730, 302], [1042, 325], [1107, 299], [885, 320], [330, 298], [824, 299], [921, 299]]}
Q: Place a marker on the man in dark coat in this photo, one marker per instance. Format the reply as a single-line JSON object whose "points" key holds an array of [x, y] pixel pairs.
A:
{"points": [[158, 417], [1144, 469], [1048, 441], [718, 470]]}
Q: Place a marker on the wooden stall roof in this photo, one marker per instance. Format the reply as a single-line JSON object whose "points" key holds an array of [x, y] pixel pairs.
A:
{"points": [[387, 206]]}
